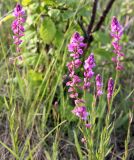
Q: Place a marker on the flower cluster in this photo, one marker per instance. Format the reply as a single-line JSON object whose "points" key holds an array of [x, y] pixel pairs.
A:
{"points": [[110, 89], [76, 48], [116, 33], [17, 25], [76, 45], [81, 112], [99, 85], [88, 72]]}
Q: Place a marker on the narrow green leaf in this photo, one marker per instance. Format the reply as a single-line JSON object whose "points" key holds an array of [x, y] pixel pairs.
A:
{"points": [[10, 150], [78, 146]]}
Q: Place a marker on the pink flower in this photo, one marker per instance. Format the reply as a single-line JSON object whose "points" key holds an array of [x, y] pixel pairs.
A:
{"points": [[76, 45], [116, 28], [99, 85], [81, 112], [116, 33], [110, 89], [74, 64], [86, 85], [88, 125], [18, 11], [88, 72], [90, 62], [73, 95], [83, 140], [17, 26]]}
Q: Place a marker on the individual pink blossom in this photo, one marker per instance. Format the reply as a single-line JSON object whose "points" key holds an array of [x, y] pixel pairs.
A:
{"points": [[79, 102], [81, 112], [17, 26], [90, 62], [88, 125], [83, 140], [116, 33], [99, 85], [74, 65], [18, 11]]}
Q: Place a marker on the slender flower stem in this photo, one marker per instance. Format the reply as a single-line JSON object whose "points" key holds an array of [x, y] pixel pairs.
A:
{"points": [[116, 33], [116, 79], [17, 25], [110, 103], [110, 92]]}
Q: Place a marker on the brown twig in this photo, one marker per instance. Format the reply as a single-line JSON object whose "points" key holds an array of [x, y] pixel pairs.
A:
{"points": [[80, 22], [90, 26], [104, 14]]}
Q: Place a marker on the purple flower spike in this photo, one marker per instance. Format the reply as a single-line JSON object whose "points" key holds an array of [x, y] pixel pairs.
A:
{"points": [[116, 33], [90, 62], [88, 72], [17, 26], [116, 28], [76, 45], [18, 11], [76, 48], [81, 112], [110, 89], [99, 85]]}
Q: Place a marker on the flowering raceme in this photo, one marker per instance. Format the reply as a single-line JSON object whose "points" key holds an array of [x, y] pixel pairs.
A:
{"points": [[110, 89], [116, 33], [17, 25], [76, 47], [88, 72], [99, 85]]}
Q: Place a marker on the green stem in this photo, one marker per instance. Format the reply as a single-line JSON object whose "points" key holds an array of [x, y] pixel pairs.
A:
{"points": [[116, 79]]}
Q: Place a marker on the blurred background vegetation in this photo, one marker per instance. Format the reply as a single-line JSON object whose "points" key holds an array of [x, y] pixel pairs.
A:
{"points": [[33, 98]]}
